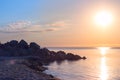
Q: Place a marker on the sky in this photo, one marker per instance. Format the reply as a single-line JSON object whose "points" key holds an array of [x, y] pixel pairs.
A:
{"points": [[61, 23]]}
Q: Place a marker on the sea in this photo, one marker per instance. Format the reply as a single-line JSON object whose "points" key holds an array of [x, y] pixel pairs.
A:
{"points": [[102, 63]]}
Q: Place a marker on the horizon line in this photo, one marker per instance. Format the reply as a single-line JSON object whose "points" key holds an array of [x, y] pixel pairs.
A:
{"points": [[87, 47]]}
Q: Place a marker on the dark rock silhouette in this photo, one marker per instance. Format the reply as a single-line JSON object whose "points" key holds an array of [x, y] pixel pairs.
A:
{"points": [[7, 78], [84, 57], [35, 46], [34, 63], [22, 48], [71, 56], [13, 43], [23, 44]]}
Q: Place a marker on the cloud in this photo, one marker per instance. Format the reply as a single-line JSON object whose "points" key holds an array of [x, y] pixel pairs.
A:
{"points": [[15, 27], [51, 29], [27, 26], [58, 24]]}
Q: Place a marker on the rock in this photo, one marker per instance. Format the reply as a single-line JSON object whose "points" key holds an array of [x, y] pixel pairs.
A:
{"points": [[13, 43], [71, 56], [61, 52], [7, 78], [34, 46], [84, 57], [21, 52], [53, 53], [23, 44], [35, 64], [1, 45], [15, 48], [61, 55], [46, 50], [37, 68], [35, 61], [34, 49], [45, 53], [51, 76]]}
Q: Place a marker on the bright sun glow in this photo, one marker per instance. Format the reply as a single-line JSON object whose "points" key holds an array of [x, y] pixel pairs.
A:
{"points": [[103, 18]]}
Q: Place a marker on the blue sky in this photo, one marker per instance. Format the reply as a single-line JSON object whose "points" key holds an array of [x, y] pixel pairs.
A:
{"points": [[17, 10], [55, 22], [14, 10]]}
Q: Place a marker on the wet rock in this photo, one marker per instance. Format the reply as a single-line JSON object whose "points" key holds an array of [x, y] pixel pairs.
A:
{"points": [[84, 57], [71, 56], [45, 54], [51, 76], [60, 55], [35, 61], [35, 64]]}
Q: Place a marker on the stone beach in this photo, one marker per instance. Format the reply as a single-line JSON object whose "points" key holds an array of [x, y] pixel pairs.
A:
{"points": [[14, 70]]}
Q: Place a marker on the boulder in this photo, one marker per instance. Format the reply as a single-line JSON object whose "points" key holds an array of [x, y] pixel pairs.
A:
{"points": [[7, 78], [1, 45], [84, 57], [71, 56], [35, 61], [23, 44], [45, 52], [60, 55], [34, 46], [77, 57], [13, 43], [35, 64], [21, 52]]}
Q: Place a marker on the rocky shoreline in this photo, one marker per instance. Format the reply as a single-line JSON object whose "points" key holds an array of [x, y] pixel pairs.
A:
{"points": [[13, 69], [33, 57]]}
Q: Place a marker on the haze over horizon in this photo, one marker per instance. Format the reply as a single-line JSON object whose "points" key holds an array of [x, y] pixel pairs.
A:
{"points": [[61, 23]]}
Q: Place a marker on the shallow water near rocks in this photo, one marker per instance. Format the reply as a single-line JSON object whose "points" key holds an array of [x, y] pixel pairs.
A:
{"points": [[101, 64]]}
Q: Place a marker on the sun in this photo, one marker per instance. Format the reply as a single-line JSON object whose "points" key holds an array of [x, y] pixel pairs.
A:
{"points": [[103, 18]]}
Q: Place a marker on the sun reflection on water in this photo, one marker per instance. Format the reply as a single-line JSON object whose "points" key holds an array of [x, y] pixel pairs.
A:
{"points": [[103, 65], [104, 69], [103, 50]]}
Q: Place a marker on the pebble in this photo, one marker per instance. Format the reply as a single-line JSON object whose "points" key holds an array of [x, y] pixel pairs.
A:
{"points": [[16, 71]]}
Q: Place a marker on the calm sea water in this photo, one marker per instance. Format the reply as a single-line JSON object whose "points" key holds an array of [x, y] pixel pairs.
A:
{"points": [[101, 64]]}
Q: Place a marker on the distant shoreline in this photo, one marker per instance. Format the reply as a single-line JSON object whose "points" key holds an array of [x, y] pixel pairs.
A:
{"points": [[80, 47]]}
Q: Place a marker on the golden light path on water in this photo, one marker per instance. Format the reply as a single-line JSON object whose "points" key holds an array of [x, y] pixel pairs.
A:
{"points": [[103, 66], [104, 69], [103, 50]]}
